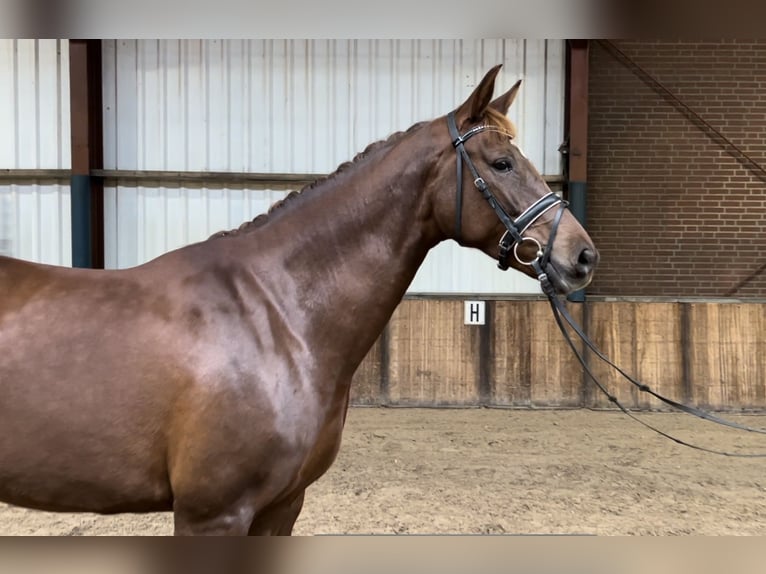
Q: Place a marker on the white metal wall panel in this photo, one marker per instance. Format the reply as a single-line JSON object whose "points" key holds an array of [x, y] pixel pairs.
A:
{"points": [[143, 222], [34, 134], [290, 106]]}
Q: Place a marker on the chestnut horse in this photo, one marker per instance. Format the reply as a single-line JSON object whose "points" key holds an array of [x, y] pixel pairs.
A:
{"points": [[213, 381]]}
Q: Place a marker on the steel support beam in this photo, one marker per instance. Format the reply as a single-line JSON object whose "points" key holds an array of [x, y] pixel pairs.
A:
{"points": [[577, 121], [87, 191]]}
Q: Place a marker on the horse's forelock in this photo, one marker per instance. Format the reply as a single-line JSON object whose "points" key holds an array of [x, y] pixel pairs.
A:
{"points": [[499, 120]]}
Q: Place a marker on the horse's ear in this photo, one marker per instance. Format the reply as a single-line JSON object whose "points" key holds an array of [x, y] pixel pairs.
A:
{"points": [[503, 103], [476, 105]]}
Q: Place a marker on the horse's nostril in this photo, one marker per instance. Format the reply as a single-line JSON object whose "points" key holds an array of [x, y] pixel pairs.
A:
{"points": [[587, 257], [586, 262]]}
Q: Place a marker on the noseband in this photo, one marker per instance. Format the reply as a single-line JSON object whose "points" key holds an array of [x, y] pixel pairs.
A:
{"points": [[515, 228]]}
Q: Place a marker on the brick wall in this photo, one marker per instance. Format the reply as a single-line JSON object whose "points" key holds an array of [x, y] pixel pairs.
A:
{"points": [[672, 212]]}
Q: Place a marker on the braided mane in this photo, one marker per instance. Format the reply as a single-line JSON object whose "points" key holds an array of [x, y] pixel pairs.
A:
{"points": [[261, 219]]}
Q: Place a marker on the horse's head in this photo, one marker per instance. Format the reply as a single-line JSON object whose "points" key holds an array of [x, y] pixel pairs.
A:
{"points": [[501, 204]]}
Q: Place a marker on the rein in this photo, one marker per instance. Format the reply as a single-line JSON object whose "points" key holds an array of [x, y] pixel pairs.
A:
{"points": [[560, 311], [514, 237]]}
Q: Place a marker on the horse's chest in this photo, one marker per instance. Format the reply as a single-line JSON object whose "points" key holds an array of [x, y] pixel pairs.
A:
{"points": [[322, 453]]}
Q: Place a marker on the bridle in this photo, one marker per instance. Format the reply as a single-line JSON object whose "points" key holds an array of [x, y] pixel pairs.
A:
{"points": [[513, 237], [510, 242]]}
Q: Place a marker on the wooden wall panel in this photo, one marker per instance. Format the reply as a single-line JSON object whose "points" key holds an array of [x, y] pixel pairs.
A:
{"points": [[645, 340], [659, 351], [511, 372], [556, 376], [433, 356], [727, 355], [366, 385], [531, 362], [709, 354], [612, 328]]}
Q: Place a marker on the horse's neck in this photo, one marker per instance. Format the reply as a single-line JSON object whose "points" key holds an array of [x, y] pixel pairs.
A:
{"points": [[353, 245]]}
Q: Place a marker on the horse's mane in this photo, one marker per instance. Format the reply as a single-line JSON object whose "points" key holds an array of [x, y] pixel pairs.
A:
{"points": [[493, 117], [264, 217]]}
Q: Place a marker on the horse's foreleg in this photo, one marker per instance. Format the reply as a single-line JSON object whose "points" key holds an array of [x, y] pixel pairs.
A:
{"points": [[234, 521], [278, 519]]}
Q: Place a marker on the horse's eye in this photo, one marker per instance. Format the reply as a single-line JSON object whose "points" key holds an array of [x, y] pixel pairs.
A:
{"points": [[502, 165]]}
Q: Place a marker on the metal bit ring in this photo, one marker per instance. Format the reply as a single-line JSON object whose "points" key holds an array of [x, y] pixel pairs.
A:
{"points": [[538, 255]]}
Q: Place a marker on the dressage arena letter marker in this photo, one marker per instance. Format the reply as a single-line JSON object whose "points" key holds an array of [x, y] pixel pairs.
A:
{"points": [[474, 312]]}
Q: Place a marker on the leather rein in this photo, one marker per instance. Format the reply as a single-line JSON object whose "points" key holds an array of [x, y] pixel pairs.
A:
{"points": [[510, 242]]}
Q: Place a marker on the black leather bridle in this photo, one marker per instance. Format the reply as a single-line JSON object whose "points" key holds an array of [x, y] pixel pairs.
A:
{"points": [[515, 228], [510, 242]]}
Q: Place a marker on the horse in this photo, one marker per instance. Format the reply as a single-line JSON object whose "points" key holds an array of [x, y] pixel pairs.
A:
{"points": [[213, 381]]}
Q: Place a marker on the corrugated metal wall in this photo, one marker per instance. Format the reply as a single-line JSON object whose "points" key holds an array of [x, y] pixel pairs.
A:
{"points": [[34, 134], [298, 107]]}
